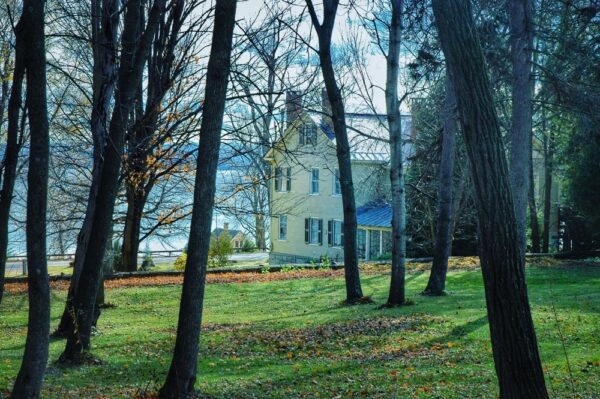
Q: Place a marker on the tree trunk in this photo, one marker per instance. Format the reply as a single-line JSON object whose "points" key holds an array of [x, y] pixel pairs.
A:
{"points": [[443, 238], [521, 45], [261, 242], [30, 35], [133, 223], [351, 273], [548, 170], [396, 294], [11, 157], [135, 50], [533, 217], [105, 20], [182, 372], [514, 343]]}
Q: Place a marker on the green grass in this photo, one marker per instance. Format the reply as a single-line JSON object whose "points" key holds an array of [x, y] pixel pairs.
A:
{"points": [[292, 339]]}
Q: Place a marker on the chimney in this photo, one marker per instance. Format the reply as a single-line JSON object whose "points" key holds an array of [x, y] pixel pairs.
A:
{"points": [[226, 226], [293, 106], [325, 108]]}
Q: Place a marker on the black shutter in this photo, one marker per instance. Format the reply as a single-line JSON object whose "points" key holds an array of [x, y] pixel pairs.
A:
{"points": [[342, 237], [289, 179], [330, 232], [306, 231], [320, 231], [301, 134]]}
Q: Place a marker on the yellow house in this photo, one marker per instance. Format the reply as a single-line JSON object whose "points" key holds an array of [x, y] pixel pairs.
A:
{"points": [[306, 203]]}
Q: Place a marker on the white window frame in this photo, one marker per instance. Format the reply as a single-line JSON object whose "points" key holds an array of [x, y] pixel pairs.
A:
{"points": [[336, 226], [283, 237], [278, 180], [313, 222], [313, 182], [336, 183]]}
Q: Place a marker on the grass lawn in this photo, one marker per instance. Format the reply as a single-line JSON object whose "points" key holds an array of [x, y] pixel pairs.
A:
{"points": [[289, 339]]}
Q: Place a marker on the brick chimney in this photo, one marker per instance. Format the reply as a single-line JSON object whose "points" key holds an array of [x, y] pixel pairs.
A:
{"points": [[226, 226], [293, 106], [325, 108]]}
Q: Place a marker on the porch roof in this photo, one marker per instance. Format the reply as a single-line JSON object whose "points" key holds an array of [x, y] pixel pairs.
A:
{"points": [[376, 213]]}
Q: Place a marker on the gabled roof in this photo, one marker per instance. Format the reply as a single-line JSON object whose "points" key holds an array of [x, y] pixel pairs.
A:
{"points": [[377, 213], [367, 135]]}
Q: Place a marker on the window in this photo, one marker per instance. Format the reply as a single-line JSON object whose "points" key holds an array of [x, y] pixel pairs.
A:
{"points": [[335, 233], [314, 181], [337, 187], [282, 227], [288, 179], [313, 231], [278, 179], [308, 134]]}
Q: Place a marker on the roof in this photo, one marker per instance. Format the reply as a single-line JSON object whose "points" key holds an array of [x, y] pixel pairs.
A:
{"points": [[368, 135], [376, 213], [219, 230]]}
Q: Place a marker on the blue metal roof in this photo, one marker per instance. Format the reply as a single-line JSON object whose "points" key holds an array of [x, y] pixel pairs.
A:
{"points": [[376, 213]]}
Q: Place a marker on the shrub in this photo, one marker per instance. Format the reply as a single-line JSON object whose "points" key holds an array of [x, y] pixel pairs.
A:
{"points": [[219, 251], [248, 246], [181, 261]]}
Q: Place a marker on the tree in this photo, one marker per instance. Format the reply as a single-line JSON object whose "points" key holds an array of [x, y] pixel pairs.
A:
{"points": [[514, 342], [164, 106], [31, 46], [104, 23], [443, 234], [324, 31], [135, 46], [14, 137], [521, 49], [182, 372], [396, 295]]}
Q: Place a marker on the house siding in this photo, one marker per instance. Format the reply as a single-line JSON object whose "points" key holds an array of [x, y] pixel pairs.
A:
{"points": [[370, 181]]}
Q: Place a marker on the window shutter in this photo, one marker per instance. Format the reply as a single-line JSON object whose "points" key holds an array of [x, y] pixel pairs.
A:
{"points": [[289, 179], [301, 131], [330, 232], [342, 234], [320, 231], [306, 230]]}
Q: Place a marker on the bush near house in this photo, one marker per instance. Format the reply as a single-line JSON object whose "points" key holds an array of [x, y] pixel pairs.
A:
{"points": [[219, 251]]}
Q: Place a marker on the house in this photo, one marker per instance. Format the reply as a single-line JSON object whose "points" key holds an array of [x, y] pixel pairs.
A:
{"points": [[237, 236], [306, 202]]}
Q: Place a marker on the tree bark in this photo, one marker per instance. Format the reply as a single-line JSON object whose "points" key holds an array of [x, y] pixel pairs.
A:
{"points": [[324, 30], [533, 217], [11, 157], [548, 170], [105, 21], [443, 235], [521, 46], [135, 49], [182, 372], [396, 295], [131, 233], [30, 34], [514, 343]]}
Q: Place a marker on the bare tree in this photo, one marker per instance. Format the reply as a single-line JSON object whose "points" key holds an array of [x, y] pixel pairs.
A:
{"points": [[514, 342], [31, 46], [182, 372], [324, 31], [521, 44], [12, 64], [443, 236], [135, 47], [396, 295]]}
